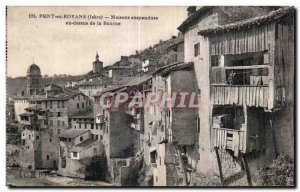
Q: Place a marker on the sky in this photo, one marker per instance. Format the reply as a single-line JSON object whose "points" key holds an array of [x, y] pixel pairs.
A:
{"points": [[58, 48]]}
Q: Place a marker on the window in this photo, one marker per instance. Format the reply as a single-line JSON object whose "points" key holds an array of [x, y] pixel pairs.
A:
{"points": [[63, 123], [95, 151], [63, 104], [46, 104], [77, 105], [58, 104], [78, 97], [81, 138], [97, 137], [51, 122], [37, 137], [29, 136], [85, 126], [75, 154], [50, 104], [58, 114], [153, 155], [70, 140], [101, 137], [50, 140], [58, 122], [198, 124], [92, 126], [48, 157], [197, 49], [58, 131], [45, 122], [79, 125], [82, 104]]}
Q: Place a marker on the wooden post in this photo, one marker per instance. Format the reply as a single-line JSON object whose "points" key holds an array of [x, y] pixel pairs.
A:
{"points": [[219, 165], [245, 164]]}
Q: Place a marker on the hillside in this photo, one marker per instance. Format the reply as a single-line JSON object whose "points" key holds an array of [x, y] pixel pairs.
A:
{"points": [[14, 86]]}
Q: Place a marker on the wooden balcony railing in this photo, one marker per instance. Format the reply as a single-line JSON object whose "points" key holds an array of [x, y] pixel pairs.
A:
{"points": [[231, 139], [240, 94]]}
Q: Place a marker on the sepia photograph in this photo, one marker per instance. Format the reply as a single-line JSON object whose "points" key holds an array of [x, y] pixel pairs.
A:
{"points": [[150, 96]]}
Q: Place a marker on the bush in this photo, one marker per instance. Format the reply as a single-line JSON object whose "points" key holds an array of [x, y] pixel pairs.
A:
{"points": [[279, 173]]}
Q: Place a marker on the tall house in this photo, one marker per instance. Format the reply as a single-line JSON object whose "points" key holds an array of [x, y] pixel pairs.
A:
{"points": [[244, 63], [97, 65], [34, 80]]}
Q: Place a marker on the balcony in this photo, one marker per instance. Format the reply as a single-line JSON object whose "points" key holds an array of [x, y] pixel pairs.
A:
{"points": [[250, 95], [230, 139], [245, 79]]}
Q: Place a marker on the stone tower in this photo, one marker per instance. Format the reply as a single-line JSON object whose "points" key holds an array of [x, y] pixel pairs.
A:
{"points": [[97, 65], [34, 79]]}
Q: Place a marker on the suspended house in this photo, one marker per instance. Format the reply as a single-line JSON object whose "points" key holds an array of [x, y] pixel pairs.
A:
{"points": [[250, 65]]}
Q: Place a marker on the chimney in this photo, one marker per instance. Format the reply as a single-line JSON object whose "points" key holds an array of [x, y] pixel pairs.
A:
{"points": [[191, 10]]}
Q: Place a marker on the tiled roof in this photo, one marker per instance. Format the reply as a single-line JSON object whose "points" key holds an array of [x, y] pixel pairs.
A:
{"points": [[61, 96], [194, 17], [138, 80], [113, 88], [84, 145], [72, 133], [26, 114], [33, 108], [172, 67], [260, 20]]}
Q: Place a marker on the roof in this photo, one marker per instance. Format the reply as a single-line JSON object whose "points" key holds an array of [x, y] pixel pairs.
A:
{"points": [[118, 67], [33, 108], [33, 69], [96, 82], [54, 85], [26, 114], [138, 80], [193, 17], [257, 21], [172, 67], [61, 96], [84, 145], [72, 133], [19, 97], [109, 89]]}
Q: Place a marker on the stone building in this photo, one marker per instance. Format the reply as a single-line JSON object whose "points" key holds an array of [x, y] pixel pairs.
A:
{"points": [[122, 132], [34, 80], [241, 56], [171, 129], [45, 118], [20, 104], [97, 65], [77, 151]]}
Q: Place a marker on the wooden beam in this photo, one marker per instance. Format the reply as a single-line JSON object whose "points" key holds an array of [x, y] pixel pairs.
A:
{"points": [[247, 67], [245, 164], [219, 165]]}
